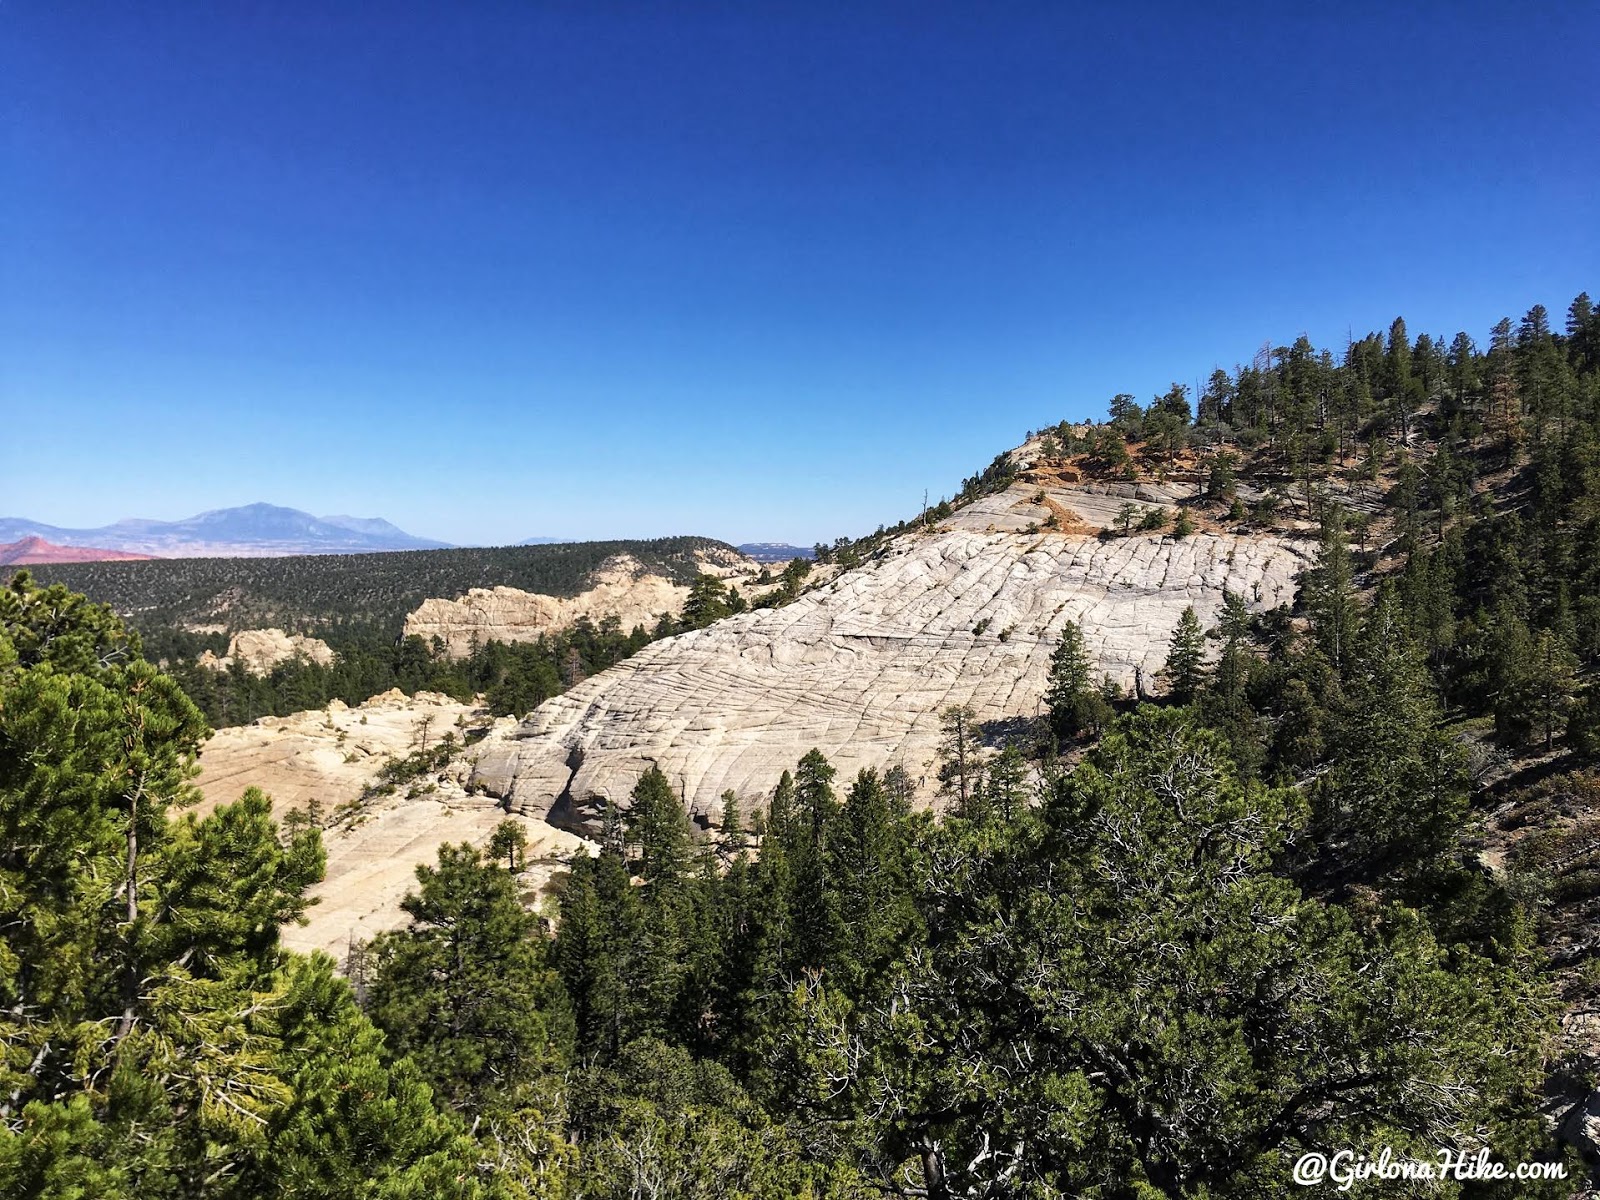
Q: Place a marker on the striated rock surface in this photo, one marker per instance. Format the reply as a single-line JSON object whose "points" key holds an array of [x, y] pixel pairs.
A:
{"points": [[622, 588], [259, 650], [860, 667], [331, 757]]}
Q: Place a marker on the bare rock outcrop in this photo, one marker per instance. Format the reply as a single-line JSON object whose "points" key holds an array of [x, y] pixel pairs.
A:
{"points": [[860, 667], [373, 860], [327, 755], [326, 762], [260, 650], [622, 587]]}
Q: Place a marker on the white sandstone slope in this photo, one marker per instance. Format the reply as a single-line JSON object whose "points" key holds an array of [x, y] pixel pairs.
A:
{"points": [[860, 668], [332, 757], [327, 755], [622, 587]]}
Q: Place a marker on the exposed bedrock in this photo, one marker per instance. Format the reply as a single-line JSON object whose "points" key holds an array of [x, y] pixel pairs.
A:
{"points": [[862, 666]]}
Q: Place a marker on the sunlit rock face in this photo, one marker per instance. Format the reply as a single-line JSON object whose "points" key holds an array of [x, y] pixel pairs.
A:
{"points": [[861, 667], [327, 762], [260, 650], [622, 588]]}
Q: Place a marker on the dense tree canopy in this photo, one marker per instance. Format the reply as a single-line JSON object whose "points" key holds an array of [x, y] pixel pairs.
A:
{"points": [[156, 1039]]}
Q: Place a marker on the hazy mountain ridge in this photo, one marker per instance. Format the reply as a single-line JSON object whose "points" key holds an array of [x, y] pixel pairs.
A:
{"points": [[251, 530]]}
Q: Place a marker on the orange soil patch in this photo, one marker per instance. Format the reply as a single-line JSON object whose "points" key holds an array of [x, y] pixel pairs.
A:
{"points": [[1068, 521]]}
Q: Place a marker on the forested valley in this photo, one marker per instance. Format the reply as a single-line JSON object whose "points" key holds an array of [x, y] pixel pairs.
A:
{"points": [[512, 678], [1332, 883], [326, 593], [356, 603]]}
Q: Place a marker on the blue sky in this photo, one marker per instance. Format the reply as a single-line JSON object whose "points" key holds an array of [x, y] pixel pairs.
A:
{"points": [[757, 271]]}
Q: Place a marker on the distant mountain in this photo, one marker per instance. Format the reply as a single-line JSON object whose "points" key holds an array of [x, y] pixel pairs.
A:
{"points": [[33, 551], [252, 531], [775, 552], [542, 541], [372, 526]]}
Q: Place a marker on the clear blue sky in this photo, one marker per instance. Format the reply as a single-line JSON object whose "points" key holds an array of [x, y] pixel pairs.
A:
{"points": [[757, 271]]}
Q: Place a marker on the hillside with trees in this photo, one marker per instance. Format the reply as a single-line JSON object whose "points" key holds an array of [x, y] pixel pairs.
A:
{"points": [[357, 603], [1148, 976], [1333, 884], [330, 594]]}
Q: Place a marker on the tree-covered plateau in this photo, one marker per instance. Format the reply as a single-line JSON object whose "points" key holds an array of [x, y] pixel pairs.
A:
{"points": [[357, 603]]}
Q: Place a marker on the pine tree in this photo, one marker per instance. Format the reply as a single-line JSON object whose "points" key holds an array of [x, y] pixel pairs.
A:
{"points": [[1147, 943], [814, 798], [1233, 621], [1005, 784], [1395, 795], [1581, 330], [1397, 376], [155, 1031], [1069, 686], [600, 954], [1186, 658], [510, 842], [465, 989], [870, 873], [734, 841], [959, 763], [660, 830], [362, 1121], [899, 788], [814, 900], [1538, 676], [613, 827], [1512, 674], [707, 602], [1330, 592]]}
